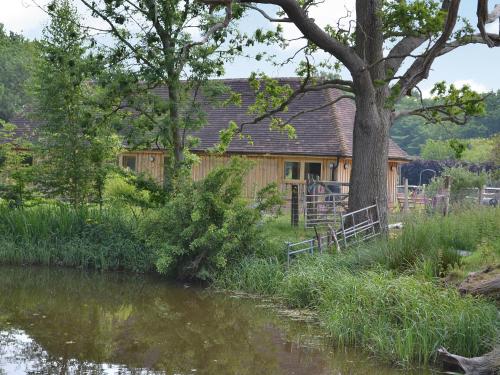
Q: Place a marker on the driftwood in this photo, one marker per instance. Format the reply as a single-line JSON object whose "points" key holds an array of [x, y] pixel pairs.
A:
{"points": [[488, 364], [485, 282]]}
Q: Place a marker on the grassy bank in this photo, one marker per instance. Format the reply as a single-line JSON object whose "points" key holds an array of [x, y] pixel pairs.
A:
{"points": [[387, 296], [62, 236]]}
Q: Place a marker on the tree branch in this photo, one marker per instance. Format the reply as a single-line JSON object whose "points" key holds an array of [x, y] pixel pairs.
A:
{"points": [[267, 16], [314, 33], [483, 18], [117, 33], [212, 30], [426, 112], [298, 114], [420, 68], [329, 84]]}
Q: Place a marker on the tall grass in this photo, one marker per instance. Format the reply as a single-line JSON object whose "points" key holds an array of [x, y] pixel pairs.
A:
{"points": [[404, 319], [383, 296], [253, 275], [61, 235]]}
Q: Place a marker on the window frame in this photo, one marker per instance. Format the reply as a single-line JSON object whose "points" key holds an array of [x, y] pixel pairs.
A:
{"points": [[126, 166], [320, 162], [299, 162]]}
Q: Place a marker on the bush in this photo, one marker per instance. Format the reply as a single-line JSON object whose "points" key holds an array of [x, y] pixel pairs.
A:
{"points": [[462, 180], [206, 225]]}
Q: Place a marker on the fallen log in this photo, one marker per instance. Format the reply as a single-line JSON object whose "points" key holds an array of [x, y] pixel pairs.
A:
{"points": [[488, 364]]}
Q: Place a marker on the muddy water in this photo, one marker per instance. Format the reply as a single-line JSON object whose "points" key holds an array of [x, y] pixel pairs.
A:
{"points": [[65, 321]]}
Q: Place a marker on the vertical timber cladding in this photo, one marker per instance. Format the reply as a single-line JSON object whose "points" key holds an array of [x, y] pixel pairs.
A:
{"points": [[343, 174], [265, 170], [392, 182], [148, 162]]}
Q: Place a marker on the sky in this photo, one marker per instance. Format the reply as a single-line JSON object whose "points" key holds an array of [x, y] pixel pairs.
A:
{"points": [[475, 65]]}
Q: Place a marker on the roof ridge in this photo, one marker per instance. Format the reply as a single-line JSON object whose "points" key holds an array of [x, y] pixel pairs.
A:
{"points": [[331, 97]]}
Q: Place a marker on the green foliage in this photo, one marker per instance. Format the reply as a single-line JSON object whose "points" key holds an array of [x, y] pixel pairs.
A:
{"points": [[476, 150], [399, 318], [120, 192], [403, 319], [412, 18], [137, 193], [76, 146], [206, 225], [17, 57], [461, 180], [412, 132], [456, 104], [253, 275], [437, 150], [63, 236], [383, 296], [16, 171]]}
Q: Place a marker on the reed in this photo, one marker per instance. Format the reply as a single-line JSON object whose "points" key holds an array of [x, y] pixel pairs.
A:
{"points": [[61, 235]]}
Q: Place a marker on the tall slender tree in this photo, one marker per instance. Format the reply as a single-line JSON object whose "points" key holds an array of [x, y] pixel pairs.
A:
{"points": [[76, 142]]}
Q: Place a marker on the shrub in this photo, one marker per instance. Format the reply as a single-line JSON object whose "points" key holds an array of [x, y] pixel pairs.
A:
{"points": [[462, 180], [206, 225]]}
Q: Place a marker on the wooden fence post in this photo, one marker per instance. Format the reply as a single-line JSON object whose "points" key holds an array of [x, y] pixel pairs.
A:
{"points": [[405, 202], [447, 191], [295, 206]]}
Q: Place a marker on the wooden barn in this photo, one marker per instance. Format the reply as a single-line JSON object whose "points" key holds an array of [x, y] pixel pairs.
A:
{"points": [[322, 148]]}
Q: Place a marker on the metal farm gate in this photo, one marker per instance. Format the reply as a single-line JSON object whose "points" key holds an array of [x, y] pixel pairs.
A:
{"points": [[324, 202]]}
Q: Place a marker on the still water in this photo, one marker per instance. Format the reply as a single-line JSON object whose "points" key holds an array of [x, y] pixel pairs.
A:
{"points": [[57, 321]]}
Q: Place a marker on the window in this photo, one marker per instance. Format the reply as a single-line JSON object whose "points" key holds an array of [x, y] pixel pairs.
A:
{"points": [[312, 171], [129, 162], [292, 170]]}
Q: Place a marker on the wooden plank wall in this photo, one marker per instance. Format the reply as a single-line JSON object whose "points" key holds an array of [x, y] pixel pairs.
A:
{"points": [[268, 169], [392, 182], [147, 162], [344, 175], [265, 171]]}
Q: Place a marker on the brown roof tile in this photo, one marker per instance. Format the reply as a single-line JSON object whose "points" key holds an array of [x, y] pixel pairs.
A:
{"points": [[325, 132]]}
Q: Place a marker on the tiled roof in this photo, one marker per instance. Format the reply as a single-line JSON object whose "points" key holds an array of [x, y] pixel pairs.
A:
{"points": [[324, 132]]}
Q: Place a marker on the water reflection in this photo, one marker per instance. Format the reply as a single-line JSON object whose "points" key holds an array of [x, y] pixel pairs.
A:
{"points": [[59, 321]]}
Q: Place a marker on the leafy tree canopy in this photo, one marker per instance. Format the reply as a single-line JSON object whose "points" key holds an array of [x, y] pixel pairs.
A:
{"points": [[17, 57]]}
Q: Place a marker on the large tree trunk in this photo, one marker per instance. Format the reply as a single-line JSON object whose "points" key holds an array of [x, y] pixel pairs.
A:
{"points": [[368, 183]]}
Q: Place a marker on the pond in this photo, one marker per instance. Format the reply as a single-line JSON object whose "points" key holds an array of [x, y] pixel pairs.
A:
{"points": [[62, 320]]}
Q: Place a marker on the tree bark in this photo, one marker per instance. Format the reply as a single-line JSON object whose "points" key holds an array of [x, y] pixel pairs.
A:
{"points": [[368, 183], [488, 364], [172, 167]]}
